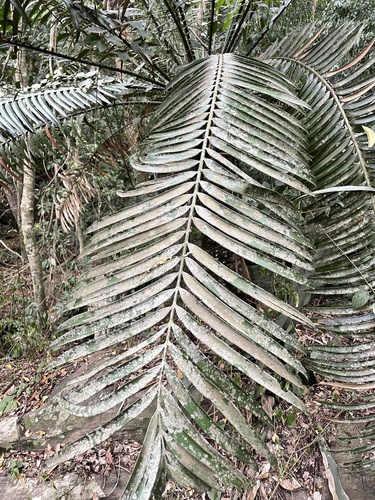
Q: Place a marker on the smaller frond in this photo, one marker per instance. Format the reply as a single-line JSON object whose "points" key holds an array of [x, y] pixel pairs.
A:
{"points": [[342, 213], [25, 112], [340, 91]]}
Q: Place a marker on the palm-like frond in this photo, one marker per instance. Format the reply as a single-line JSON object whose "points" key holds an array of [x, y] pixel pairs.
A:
{"points": [[232, 155], [25, 113], [210, 146], [340, 94], [344, 219]]}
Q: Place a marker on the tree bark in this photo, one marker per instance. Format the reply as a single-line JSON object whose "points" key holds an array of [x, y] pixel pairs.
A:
{"points": [[30, 243], [79, 235]]}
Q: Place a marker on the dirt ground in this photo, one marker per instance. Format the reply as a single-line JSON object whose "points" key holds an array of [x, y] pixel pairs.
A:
{"points": [[293, 439]]}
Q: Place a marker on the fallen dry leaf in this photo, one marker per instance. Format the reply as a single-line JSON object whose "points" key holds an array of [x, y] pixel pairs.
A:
{"points": [[332, 474], [251, 494], [264, 471], [290, 484], [109, 457], [268, 402]]}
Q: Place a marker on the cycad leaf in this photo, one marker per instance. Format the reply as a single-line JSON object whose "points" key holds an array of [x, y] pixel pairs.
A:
{"points": [[149, 256], [343, 213], [342, 217], [29, 111], [147, 470], [212, 429], [105, 431]]}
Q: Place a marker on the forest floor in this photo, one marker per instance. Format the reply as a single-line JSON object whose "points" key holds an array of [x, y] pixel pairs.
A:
{"points": [[26, 385]]}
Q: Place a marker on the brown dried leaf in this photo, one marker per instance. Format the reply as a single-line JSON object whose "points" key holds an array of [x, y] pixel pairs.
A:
{"points": [[251, 494], [264, 471], [290, 484], [109, 457], [268, 402], [353, 62]]}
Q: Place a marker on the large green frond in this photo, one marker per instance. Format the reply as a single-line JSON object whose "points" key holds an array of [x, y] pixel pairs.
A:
{"points": [[210, 147], [340, 93]]}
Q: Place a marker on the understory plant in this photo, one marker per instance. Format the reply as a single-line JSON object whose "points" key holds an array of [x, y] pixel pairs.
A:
{"points": [[254, 171]]}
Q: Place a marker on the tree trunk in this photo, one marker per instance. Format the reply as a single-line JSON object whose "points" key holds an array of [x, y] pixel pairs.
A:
{"points": [[30, 243], [79, 235]]}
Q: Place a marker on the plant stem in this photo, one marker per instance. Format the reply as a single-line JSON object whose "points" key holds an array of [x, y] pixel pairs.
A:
{"points": [[30, 242]]}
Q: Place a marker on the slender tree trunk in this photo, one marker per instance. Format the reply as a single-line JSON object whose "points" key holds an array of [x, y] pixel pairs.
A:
{"points": [[30, 243], [313, 10], [52, 46], [13, 198], [26, 218], [21, 73], [80, 236]]}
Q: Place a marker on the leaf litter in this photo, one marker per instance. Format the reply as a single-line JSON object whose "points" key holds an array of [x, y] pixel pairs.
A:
{"points": [[293, 439]]}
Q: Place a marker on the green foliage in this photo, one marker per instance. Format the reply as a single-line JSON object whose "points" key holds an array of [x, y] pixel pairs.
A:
{"points": [[15, 468], [19, 335], [337, 12], [8, 403], [260, 159]]}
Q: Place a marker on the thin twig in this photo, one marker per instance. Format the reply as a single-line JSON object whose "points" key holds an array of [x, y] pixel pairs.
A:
{"points": [[10, 250], [118, 477], [41, 50]]}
